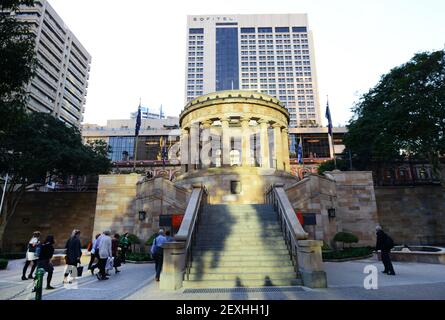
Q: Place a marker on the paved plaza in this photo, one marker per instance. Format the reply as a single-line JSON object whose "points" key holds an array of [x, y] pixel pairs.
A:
{"points": [[136, 282]]}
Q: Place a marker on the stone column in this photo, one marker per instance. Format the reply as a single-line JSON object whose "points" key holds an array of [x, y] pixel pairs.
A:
{"points": [[194, 147], [225, 142], [173, 267], [264, 142], [278, 147], [245, 142], [286, 154], [310, 263], [206, 157], [185, 151]]}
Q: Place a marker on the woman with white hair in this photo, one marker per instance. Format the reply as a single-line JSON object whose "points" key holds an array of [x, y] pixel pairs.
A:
{"points": [[105, 252], [157, 252]]}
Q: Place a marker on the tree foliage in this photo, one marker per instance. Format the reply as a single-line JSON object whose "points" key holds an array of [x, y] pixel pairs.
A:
{"points": [[403, 115], [342, 165], [33, 146]]}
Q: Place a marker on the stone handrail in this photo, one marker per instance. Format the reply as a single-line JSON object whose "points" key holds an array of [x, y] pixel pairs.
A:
{"points": [[187, 231], [305, 254], [278, 197]]}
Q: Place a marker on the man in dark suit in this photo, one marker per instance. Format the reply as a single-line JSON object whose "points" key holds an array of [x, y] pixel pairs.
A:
{"points": [[385, 244]]}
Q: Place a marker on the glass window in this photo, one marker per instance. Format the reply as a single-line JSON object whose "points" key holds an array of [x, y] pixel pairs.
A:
{"points": [[227, 63], [247, 30], [299, 29], [196, 31], [264, 30], [282, 29]]}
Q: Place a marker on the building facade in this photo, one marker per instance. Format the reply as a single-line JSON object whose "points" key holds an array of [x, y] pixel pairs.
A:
{"points": [[120, 136], [148, 113], [60, 85], [271, 54]]}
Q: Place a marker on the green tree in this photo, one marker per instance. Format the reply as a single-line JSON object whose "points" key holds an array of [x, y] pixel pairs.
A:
{"points": [[345, 237], [342, 165], [42, 147], [403, 116]]}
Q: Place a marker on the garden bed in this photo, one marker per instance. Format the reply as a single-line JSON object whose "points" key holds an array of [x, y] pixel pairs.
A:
{"points": [[139, 258], [348, 254]]}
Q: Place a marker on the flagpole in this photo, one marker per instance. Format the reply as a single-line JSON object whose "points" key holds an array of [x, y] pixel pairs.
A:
{"points": [[136, 134], [135, 152]]}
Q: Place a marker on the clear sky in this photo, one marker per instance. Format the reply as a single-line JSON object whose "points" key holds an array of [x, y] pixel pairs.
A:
{"points": [[138, 46]]}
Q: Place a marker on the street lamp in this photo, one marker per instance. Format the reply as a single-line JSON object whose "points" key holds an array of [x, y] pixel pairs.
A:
{"points": [[142, 215]]}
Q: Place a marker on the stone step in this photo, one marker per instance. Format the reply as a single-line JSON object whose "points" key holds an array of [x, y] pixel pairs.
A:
{"points": [[239, 214], [237, 227], [203, 233], [208, 263], [239, 221], [208, 270], [244, 283], [223, 239], [238, 207], [265, 276], [242, 247], [240, 252], [211, 258]]}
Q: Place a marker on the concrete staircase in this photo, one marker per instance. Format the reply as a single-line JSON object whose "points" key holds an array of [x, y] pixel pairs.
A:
{"points": [[240, 246]]}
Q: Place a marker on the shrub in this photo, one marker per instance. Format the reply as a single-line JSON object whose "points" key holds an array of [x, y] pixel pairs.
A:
{"points": [[133, 239], [13, 256], [348, 253], [3, 264], [345, 237], [149, 242], [139, 257]]}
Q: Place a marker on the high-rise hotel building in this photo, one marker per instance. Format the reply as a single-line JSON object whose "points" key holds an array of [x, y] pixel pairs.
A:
{"points": [[60, 85], [269, 53]]}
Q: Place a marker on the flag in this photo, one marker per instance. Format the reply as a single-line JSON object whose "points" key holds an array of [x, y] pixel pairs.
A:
{"points": [[300, 151], [328, 116], [138, 122], [164, 153]]}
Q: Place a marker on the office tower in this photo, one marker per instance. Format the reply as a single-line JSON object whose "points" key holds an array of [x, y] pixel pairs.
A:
{"points": [[60, 85], [269, 53], [149, 113]]}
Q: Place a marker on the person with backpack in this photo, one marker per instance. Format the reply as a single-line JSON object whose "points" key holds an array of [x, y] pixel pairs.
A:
{"points": [[45, 256], [385, 244], [31, 255], [157, 252]]}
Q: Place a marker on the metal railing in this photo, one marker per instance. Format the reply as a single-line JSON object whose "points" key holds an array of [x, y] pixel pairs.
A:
{"points": [[189, 227], [290, 226]]}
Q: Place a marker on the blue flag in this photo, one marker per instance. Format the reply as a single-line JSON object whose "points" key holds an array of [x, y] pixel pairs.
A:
{"points": [[328, 116], [300, 152], [138, 122]]}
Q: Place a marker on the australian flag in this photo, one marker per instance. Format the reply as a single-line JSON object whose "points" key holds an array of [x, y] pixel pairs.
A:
{"points": [[300, 152], [138, 122], [328, 116]]}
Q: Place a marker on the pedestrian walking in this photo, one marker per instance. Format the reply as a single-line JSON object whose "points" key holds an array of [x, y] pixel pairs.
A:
{"points": [[385, 244], [114, 252], [93, 255], [104, 253], [72, 258], [44, 262], [31, 256], [157, 252], [124, 244]]}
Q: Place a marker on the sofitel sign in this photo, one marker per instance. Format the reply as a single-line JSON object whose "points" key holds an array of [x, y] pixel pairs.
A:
{"points": [[213, 19]]}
